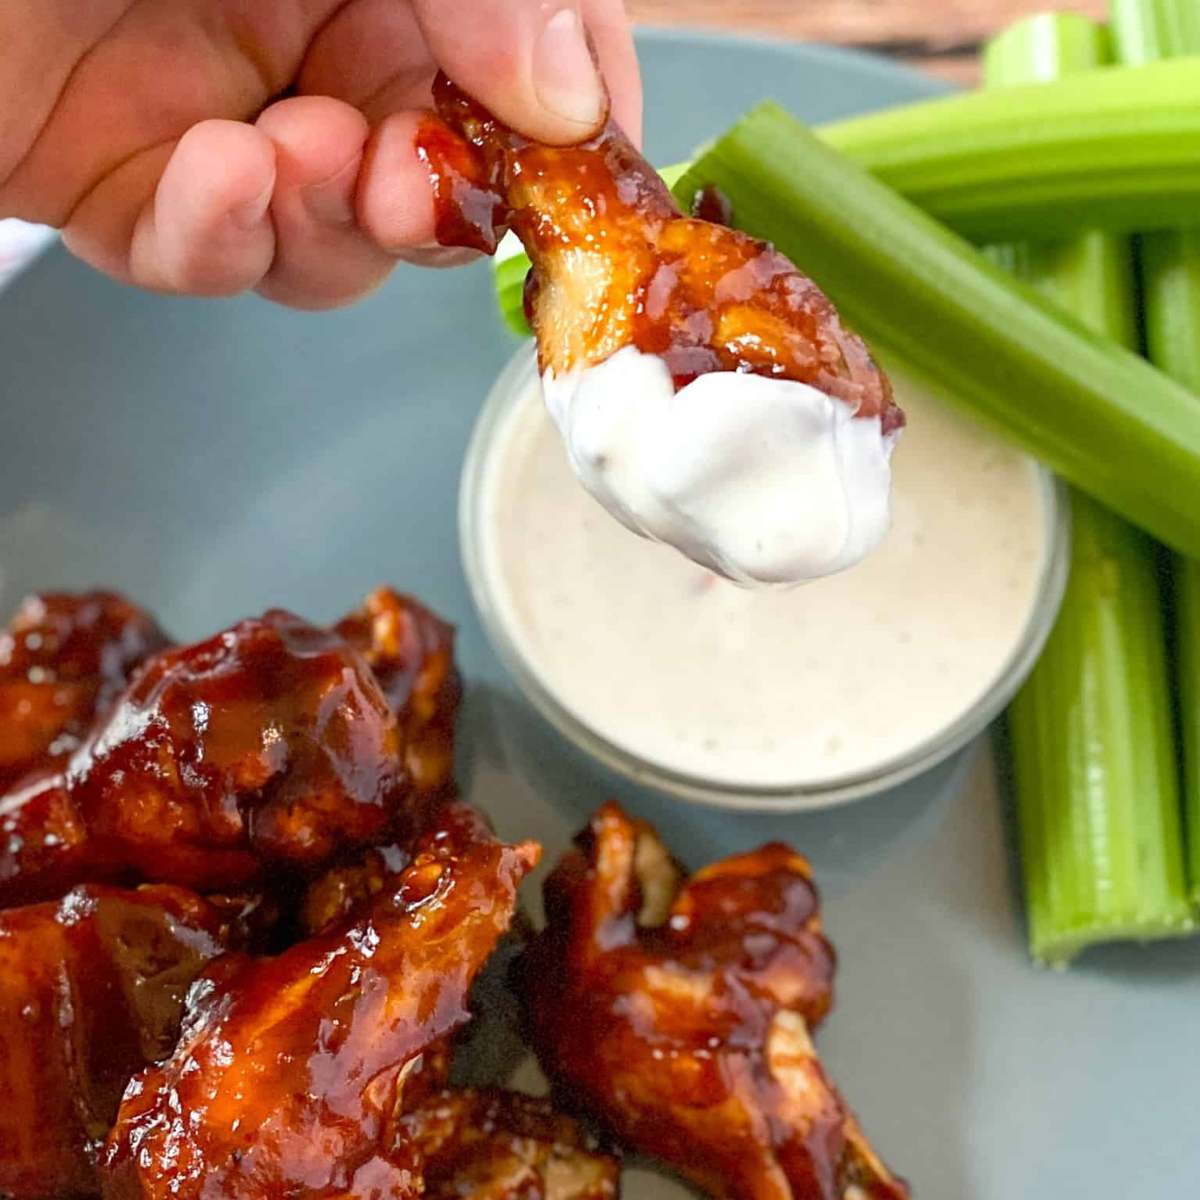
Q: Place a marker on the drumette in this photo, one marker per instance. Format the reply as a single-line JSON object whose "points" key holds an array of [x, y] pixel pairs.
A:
{"points": [[707, 392]]}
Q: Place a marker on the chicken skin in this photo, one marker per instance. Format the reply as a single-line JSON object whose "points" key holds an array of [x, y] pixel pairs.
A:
{"points": [[497, 1145], [616, 264], [91, 990], [292, 1072], [63, 660], [302, 778], [678, 1012], [411, 652], [268, 748], [706, 391]]}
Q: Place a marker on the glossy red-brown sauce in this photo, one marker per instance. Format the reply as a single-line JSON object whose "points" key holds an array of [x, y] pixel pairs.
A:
{"points": [[268, 754], [711, 204], [277, 753], [292, 1071], [662, 1030], [63, 660], [410, 651], [268, 747], [700, 295], [91, 990]]}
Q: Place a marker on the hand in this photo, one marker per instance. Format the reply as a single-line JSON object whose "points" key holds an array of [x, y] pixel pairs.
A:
{"points": [[151, 131]]}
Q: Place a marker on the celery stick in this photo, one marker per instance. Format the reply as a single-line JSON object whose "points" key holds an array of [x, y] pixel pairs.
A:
{"points": [[1099, 415], [1186, 579], [1171, 299], [1098, 808], [1146, 30], [1091, 732], [1119, 147], [1048, 48], [509, 268], [1118, 144], [1171, 304]]}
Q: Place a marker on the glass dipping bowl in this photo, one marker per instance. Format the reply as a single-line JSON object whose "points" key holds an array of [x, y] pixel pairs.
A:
{"points": [[511, 386]]}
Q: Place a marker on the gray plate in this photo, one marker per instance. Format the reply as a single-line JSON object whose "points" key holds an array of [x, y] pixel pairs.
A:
{"points": [[216, 458]]}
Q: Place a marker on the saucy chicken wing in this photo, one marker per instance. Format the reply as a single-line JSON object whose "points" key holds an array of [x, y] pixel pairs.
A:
{"points": [[267, 748], [411, 651], [707, 392], [292, 1072], [91, 990], [616, 264], [63, 660], [497, 1145], [678, 1012]]}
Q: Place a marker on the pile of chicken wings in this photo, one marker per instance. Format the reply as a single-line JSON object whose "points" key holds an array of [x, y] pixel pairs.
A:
{"points": [[242, 907]]}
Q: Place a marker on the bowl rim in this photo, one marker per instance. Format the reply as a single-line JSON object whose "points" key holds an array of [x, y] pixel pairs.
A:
{"points": [[506, 393]]}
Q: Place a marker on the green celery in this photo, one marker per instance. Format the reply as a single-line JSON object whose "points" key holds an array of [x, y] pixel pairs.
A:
{"points": [[1100, 416], [508, 278], [1171, 299], [1120, 146], [1091, 733], [1117, 144], [1186, 579], [1171, 303], [1146, 30]]}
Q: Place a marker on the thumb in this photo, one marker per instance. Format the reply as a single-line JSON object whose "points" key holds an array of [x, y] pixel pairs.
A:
{"points": [[530, 62]]}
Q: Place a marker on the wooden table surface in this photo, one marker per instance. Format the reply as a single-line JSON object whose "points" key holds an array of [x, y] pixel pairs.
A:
{"points": [[942, 36]]}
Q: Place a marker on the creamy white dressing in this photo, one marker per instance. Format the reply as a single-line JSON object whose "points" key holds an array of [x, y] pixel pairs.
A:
{"points": [[768, 688], [766, 481]]}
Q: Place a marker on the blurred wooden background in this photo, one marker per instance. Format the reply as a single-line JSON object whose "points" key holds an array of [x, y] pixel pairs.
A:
{"points": [[942, 36]]}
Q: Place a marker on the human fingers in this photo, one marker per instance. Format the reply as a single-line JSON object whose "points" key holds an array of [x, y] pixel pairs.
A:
{"points": [[611, 34], [528, 61], [395, 197], [323, 257], [374, 54], [190, 217]]}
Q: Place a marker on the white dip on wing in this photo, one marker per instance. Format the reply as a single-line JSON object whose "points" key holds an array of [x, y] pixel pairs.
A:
{"points": [[764, 480], [766, 687]]}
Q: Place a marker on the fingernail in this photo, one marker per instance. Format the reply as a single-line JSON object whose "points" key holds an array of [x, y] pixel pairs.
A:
{"points": [[564, 76], [250, 215], [332, 200]]}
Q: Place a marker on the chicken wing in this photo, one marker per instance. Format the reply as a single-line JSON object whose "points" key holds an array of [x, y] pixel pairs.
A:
{"points": [[678, 1012], [706, 390], [411, 651], [267, 748], [291, 1072], [63, 660], [497, 1145], [91, 990], [616, 264]]}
